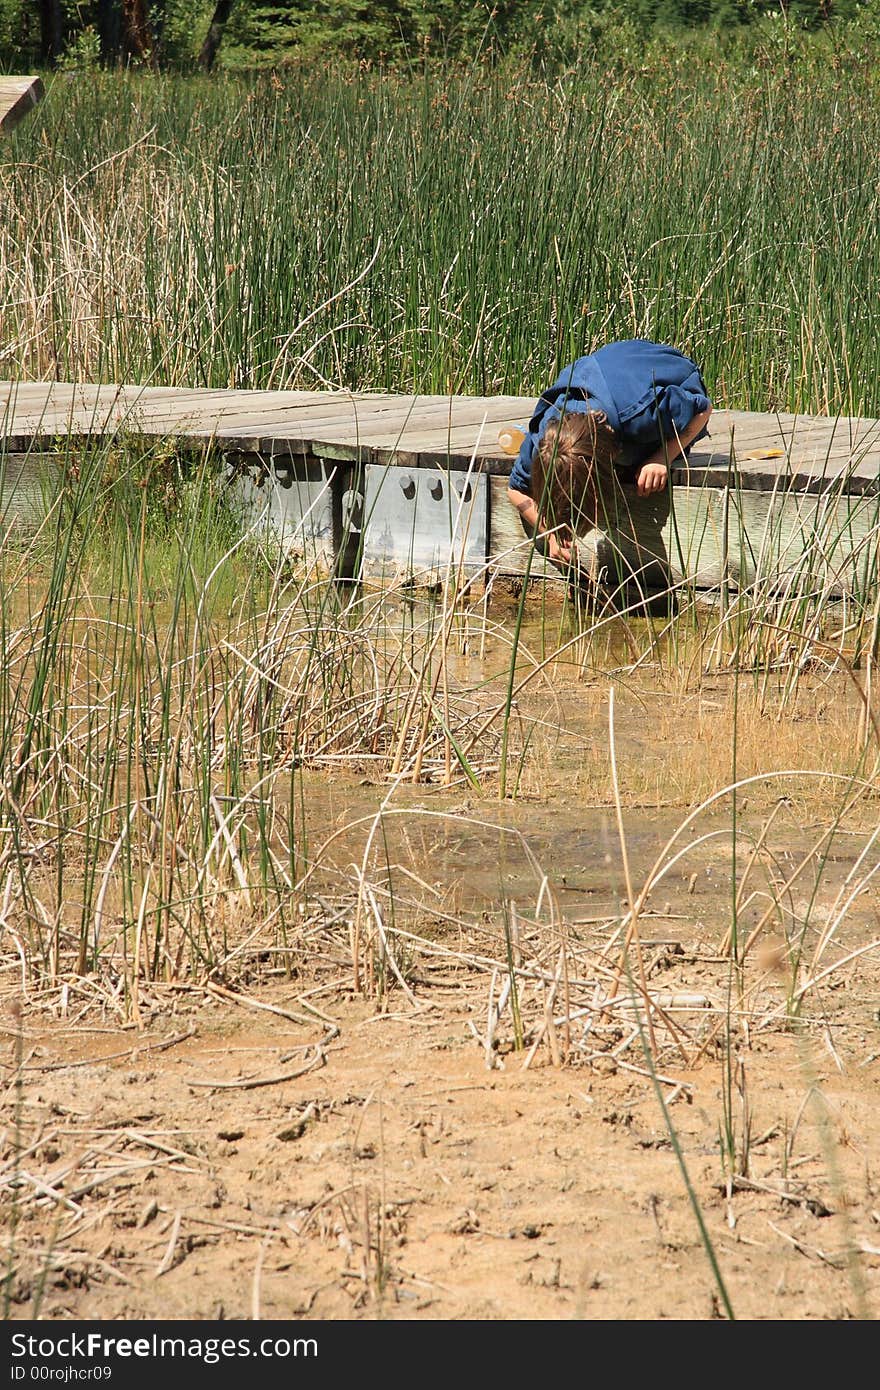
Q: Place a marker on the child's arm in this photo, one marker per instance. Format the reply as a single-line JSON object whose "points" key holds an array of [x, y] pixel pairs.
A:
{"points": [[653, 473], [527, 507]]}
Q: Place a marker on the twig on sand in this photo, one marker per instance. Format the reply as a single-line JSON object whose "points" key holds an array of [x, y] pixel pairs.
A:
{"points": [[491, 1021], [168, 1258], [494, 1013], [258, 1278], [238, 1227], [146, 1046], [246, 1002], [679, 1087], [318, 1206], [44, 1189], [250, 1083], [811, 1251]]}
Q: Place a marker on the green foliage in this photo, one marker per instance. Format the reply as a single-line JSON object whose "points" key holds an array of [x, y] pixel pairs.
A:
{"points": [[183, 29], [83, 53], [19, 35], [271, 33]]}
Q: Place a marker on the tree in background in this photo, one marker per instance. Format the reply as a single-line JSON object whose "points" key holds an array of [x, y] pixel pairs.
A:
{"points": [[123, 27], [208, 52], [137, 32], [269, 33], [51, 30]]}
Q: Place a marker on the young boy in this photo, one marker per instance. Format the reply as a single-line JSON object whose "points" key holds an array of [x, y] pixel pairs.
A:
{"points": [[622, 414]]}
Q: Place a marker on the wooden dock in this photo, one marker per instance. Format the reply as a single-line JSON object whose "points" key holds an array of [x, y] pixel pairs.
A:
{"points": [[17, 97], [419, 479]]}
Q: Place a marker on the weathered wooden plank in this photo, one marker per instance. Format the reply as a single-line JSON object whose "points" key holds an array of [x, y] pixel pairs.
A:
{"points": [[223, 413], [422, 431], [414, 425], [196, 394], [17, 96], [257, 402], [257, 406], [25, 397], [345, 419], [109, 417], [786, 422], [358, 419], [413, 437], [802, 438]]}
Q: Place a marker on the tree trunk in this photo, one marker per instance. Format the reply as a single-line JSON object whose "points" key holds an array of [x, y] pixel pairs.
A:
{"points": [[51, 31], [110, 30], [138, 35], [215, 34]]}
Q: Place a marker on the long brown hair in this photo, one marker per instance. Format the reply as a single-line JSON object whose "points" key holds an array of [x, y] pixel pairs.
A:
{"points": [[573, 475]]}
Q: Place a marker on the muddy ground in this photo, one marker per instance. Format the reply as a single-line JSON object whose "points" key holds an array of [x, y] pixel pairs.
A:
{"points": [[404, 1180], [288, 1145]]}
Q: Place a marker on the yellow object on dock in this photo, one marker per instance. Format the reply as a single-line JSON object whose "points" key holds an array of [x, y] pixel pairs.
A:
{"points": [[510, 439]]}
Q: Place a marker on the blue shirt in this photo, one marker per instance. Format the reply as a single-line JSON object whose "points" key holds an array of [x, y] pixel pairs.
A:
{"points": [[649, 392]]}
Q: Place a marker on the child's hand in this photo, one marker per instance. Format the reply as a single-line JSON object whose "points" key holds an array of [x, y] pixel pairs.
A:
{"points": [[558, 550], [651, 478]]}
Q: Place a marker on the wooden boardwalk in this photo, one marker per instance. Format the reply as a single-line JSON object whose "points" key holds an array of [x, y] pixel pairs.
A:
{"points": [[789, 478], [17, 96], [811, 452]]}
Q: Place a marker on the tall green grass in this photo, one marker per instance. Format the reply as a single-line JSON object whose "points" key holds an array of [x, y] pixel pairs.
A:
{"points": [[165, 676], [463, 230]]}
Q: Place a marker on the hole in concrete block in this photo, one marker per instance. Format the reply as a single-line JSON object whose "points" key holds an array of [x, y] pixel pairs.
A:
{"points": [[283, 472], [353, 510]]}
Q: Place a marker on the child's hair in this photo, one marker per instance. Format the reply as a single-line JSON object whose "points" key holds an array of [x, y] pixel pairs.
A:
{"points": [[573, 475]]}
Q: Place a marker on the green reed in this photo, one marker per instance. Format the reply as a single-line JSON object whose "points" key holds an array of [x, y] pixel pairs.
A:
{"points": [[166, 675], [463, 231]]}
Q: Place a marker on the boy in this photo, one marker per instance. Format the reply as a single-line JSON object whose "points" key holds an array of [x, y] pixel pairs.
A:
{"points": [[620, 415]]}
